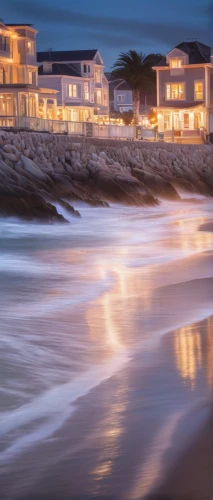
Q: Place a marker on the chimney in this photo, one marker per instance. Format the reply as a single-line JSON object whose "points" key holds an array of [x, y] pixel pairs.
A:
{"points": [[47, 66]]}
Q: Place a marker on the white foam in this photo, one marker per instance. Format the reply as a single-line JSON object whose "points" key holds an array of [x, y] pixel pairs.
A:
{"points": [[55, 405]]}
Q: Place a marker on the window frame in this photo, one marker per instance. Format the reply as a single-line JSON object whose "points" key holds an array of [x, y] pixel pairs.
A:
{"points": [[178, 97], [197, 91], [167, 122], [175, 59], [86, 91], [31, 47], [73, 93], [120, 98]]}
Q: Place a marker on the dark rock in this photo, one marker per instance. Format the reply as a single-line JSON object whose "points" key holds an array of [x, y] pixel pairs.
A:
{"points": [[156, 184]]}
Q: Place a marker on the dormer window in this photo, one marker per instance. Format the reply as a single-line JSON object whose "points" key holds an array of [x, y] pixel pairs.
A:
{"points": [[176, 62], [86, 69]]}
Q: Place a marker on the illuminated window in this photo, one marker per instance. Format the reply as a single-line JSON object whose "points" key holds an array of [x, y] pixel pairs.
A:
{"points": [[86, 91], [31, 48], [167, 122], [176, 63], [98, 97], [30, 77], [1, 75], [186, 120], [175, 91], [98, 75], [197, 120], [198, 86], [72, 90]]}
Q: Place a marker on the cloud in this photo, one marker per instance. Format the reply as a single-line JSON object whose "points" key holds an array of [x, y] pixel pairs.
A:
{"points": [[110, 30]]}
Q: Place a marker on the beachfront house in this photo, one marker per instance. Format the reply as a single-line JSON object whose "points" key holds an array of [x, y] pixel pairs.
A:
{"points": [[78, 77], [19, 91], [185, 92], [18, 73], [123, 97]]}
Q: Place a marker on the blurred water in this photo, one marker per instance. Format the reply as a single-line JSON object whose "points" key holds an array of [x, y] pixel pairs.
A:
{"points": [[82, 302]]}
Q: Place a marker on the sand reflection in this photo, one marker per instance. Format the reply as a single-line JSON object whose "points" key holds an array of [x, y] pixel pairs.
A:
{"points": [[193, 346]]}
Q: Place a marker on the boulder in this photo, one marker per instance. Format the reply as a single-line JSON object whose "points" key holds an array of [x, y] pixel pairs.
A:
{"points": [[32, 169], [156, 185]]}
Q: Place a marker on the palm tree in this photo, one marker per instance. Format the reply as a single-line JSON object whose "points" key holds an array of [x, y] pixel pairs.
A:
{"points": [[136, 69]]}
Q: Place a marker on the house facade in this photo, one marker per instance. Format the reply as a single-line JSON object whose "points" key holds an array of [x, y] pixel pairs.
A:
{"points": [[185, 90], [123, 97], [79, 79], [19, 93]]}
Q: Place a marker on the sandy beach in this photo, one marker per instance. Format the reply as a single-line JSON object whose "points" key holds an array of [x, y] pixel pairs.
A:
{"points": [[107, 371]]}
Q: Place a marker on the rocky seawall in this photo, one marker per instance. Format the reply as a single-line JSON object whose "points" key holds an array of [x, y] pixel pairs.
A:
{"points": [[38, 170]]}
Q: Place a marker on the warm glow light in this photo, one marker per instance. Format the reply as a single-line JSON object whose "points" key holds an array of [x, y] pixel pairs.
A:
{"points": [[188, 353]]}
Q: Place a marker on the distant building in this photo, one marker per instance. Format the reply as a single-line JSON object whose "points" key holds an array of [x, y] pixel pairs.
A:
{"points": [[185, 90], [78, 76], [123, 97]]}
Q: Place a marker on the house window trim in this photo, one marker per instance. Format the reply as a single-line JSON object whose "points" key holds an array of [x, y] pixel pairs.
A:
{"points": [[72, 95], [195, 98], [178, 98], [31, 47], [176, 59], [168, 122], [119, 96]]}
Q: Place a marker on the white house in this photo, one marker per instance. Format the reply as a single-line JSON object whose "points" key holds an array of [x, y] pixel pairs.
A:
{"points": [[79, 78], [122, 97], [19, 90], [185, 91]]}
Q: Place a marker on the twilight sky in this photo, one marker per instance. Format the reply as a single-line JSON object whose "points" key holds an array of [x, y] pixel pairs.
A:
{"points": [[113, 26]]}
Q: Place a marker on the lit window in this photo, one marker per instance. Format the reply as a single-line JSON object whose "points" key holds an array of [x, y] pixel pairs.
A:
{"points": [[186, 120], [175, 91], [176, 63], [98, 75], [30, 77], [197, 120], [167, 122], [198, 91], [86, 91], [1, 75], [98, 96], [30, 48], [72, 90]]}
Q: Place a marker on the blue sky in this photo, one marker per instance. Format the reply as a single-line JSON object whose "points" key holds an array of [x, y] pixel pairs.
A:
{"points": [[113, 26]]}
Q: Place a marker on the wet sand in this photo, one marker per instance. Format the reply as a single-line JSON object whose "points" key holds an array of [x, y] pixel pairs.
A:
{"points": [[142, 429], [207, 227], [191, 478]]}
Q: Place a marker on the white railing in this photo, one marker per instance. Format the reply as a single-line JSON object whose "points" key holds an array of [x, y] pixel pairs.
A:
{"points": [[114, 131], [96, 130]]}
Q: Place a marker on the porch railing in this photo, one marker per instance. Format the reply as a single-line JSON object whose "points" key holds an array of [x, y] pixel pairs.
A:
{"points": [[88, 129]]}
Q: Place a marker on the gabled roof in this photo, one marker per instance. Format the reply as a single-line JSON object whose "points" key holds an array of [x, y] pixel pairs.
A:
{"points": [[198, 53], [60, 69], [67, 55]]}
